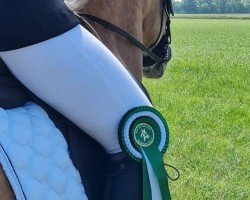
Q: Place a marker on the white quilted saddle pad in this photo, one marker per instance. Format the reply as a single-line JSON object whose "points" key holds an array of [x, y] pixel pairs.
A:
{"points": [[35, 158]]}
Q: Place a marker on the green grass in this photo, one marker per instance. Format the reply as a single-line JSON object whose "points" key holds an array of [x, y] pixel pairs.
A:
{"points": [[205, 97]]}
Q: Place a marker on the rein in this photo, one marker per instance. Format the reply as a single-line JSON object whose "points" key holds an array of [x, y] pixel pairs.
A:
{"points": [[119, 31], [87, 25]]}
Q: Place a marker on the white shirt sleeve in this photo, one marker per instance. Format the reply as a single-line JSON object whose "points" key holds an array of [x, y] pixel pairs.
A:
{"points": [[80, 78]]}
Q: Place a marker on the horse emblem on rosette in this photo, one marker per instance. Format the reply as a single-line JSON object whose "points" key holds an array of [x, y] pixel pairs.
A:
{"points": [[144, 134]]}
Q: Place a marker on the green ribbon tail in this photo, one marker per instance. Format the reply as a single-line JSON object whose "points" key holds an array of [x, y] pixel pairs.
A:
{"points": [[155, 158], [147, 195]]}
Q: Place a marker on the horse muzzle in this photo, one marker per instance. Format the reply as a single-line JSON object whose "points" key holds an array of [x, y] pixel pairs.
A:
{"points": [[156, 70]]}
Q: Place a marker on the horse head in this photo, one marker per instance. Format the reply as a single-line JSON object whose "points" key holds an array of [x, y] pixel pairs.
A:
{"points": [[157, 37], [142, 43]]}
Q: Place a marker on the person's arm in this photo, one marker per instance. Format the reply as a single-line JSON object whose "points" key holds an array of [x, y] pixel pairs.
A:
{"points": [[79, 77]]}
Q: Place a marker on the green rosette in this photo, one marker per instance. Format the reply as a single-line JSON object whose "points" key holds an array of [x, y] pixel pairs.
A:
{"points": [[144, 136]]}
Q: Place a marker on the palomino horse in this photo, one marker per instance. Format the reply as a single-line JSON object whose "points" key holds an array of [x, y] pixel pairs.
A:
{"points": [[142, 19]]}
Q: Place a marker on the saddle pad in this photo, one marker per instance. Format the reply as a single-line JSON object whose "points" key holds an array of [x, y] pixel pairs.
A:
{"points": [[35, 158]]}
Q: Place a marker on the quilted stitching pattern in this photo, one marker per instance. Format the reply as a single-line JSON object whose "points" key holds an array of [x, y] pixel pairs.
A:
{"points": [[39, 154]]}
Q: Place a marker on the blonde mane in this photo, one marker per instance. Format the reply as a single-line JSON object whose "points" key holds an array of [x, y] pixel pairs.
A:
{"points": [[76, 5]]}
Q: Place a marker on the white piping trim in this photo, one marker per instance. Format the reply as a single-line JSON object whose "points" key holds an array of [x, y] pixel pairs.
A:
{"points": [[154, 184]]}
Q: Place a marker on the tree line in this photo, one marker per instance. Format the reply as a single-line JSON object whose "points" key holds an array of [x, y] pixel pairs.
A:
{"points": [[211, 6]]}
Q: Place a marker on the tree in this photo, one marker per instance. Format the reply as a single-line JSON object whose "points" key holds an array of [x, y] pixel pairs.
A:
{"points": [[204, 8], [223, 6], [237, 6], [178, 7], [212, 6], [190, 6]]}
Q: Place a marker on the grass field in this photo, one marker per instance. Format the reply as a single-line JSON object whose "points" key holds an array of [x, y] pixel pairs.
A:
{"points": [[205, 96], [213, 16]]}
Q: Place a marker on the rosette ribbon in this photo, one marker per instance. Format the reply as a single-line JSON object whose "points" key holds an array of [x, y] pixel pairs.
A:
{"points": [[144, 136]]}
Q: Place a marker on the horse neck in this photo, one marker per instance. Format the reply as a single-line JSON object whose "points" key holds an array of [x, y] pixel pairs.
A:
{"points": [[126, 15]]}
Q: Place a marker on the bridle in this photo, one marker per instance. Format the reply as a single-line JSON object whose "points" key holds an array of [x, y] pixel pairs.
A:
{"points": [[156, 54], [161, 47]]}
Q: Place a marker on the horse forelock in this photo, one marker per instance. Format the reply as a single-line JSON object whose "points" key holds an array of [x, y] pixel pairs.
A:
{"points": [[76, 5]]}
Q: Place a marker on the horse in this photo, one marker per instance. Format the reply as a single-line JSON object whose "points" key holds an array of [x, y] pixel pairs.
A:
{"points": [[142, 19]]}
